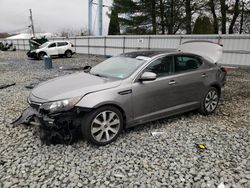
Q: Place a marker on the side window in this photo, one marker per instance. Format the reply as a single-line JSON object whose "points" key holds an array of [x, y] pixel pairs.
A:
{"points": [[186, 63], [52, 45], [161, 66], [62, 43]]}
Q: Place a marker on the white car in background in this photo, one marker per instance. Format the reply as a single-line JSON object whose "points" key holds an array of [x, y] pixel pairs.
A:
{"points": [[53, 48]]}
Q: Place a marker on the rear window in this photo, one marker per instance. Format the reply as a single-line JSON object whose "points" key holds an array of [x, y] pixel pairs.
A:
{"points": [[62, 44], [186, 63]]}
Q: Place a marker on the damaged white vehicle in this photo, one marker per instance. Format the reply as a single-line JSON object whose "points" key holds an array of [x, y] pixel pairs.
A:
{"points": [[127, 90]]}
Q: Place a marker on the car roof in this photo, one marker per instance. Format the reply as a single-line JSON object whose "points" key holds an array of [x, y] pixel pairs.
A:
{"points": [[153, 53], [146, 53], [58, 41]]}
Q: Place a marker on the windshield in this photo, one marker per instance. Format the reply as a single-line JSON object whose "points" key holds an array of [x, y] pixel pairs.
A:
{"points": [[44, 45], [117, 67]]}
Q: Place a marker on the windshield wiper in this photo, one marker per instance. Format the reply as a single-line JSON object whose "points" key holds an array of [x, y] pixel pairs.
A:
{"points": [[99, 75]]}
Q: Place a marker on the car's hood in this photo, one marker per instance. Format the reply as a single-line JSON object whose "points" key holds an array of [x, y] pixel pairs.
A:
{"points": [[74, 85]]}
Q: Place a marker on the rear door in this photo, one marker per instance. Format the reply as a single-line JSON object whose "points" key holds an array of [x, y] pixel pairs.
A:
{"points": [[190, 79], [62, 46]]}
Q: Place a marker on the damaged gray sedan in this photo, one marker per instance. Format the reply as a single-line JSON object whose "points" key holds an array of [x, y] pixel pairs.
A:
{"points": [[125, 91]]}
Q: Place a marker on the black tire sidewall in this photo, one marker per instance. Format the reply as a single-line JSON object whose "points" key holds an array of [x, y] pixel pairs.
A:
{"points": [[41, 55], [87, 122], [202, 109], [67, 53]]}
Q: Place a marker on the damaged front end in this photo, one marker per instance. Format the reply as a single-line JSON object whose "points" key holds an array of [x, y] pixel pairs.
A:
{"points": [[32, 54], [54, 127]]}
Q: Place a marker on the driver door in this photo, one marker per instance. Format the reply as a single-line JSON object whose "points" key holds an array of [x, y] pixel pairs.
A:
{"points": [[52, 49], [151, 98]]}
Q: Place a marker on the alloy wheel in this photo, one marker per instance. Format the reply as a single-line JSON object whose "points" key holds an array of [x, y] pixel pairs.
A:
{"points": [[105, 126], [211, 101]]}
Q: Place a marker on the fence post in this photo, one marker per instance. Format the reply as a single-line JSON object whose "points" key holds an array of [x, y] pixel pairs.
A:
{"points": [[88, 46], [17, 43], [219, 38], [23, 44], [105, 46], [123, 51], [149, 37], [75, 44], [181, 39]]}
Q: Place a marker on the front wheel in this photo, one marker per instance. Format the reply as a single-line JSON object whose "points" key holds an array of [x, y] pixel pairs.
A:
{"points": [[210, 101], [41, 55], [103, 125]]}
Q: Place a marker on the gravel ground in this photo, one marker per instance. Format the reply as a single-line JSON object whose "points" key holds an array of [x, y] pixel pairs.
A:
{"points": [[136, 159]]}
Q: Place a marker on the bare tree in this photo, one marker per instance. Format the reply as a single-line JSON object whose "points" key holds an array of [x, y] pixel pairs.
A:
{"points": [[215, 19], [223, 9], [236, 12], [188, 16]]}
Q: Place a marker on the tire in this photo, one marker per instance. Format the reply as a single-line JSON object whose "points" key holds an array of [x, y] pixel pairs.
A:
{"points": [[210, 101], [102, 126], [68, 54], [41, 55]]}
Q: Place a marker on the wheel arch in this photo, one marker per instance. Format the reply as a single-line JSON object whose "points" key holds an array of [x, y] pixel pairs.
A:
{"points": [[216, 86], [42, 52], [68, 50]]}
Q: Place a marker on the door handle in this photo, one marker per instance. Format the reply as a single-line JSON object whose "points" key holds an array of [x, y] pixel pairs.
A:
{"points": [[204, 75], [172, 82]]}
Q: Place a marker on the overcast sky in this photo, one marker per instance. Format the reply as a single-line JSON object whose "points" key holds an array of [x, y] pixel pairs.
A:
{"points": [[49, 15]]}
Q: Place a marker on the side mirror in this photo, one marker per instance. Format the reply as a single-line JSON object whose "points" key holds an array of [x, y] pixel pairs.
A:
{"points": [[148, 76]]}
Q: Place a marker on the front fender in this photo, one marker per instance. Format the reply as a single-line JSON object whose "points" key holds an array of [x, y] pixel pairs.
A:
{"points": [[108, 97]]}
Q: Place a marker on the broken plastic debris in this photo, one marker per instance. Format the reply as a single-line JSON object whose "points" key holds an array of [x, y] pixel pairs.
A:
{"points": [[118, 175], [157, 133], [221, 185], [6, 85]]}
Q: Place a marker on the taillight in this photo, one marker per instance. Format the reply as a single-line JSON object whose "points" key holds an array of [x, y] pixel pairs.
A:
{"points": [[224, 69]]}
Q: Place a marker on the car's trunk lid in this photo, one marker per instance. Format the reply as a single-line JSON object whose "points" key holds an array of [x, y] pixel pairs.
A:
{"points": [[207, 49]]}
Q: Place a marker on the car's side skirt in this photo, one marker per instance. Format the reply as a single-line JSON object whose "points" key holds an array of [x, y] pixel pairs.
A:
{"points": [[164, 113]]}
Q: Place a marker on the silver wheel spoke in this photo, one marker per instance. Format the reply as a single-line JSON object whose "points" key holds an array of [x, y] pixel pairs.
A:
{"points": [[99, 136], [214, 102], [95, 129], [107, 135], [113, 130], [210, 107], [206, 104], [115, 122], [215, 97], [97, 121], [104, 116], [111, 116]]}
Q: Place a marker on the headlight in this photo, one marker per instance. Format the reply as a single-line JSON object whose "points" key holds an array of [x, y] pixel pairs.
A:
{"points": [[58, 106]]}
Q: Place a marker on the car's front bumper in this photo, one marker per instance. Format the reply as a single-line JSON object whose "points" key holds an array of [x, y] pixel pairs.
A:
{"points": [[32, 54], [63, 127]]}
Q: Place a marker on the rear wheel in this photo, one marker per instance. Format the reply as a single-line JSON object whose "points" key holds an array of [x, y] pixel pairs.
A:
{"points": [[68, 54], [210, 101], [103, 125]]}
